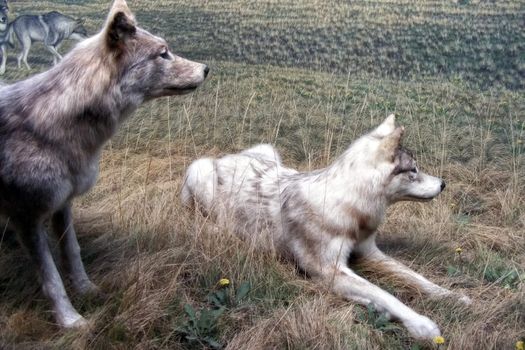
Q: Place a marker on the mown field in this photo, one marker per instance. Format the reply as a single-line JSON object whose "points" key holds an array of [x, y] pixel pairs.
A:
{"points": [[308, 77]]}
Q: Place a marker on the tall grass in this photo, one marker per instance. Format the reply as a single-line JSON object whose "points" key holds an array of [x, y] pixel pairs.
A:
{"points": [[152, 257]]}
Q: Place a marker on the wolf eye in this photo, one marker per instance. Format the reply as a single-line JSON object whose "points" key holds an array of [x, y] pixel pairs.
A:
{"points": [[165, 54]]}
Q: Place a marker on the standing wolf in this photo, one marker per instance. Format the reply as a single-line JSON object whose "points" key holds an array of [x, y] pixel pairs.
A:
{"points": [[4, 33], [51, 28], [53, 127], [320, 218]]}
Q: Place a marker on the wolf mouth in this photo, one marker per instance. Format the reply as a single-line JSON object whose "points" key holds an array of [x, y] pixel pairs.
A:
{"points": [[181, 90], [419, 199]]}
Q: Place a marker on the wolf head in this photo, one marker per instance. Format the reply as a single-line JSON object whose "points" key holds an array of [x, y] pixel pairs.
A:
{"points": [[149, 67], [393, 167]]}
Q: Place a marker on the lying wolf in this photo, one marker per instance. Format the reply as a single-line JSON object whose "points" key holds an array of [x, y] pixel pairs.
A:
{"points": [[52, 130], [319, 218], [51, 28]]}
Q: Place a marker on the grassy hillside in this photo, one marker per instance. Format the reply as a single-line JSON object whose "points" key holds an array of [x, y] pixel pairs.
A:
{"points": [[481, 42], [309, 77]]}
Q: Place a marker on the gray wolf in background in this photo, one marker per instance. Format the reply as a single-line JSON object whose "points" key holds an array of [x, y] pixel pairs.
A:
{"points": [[51, 28], [4, 26], [319, 218], [52, 130]]}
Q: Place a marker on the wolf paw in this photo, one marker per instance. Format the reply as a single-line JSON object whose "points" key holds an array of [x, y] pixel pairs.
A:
{"points": [[458, 296], [464, 299], [74, 321], [422, 327], [86, 288]]}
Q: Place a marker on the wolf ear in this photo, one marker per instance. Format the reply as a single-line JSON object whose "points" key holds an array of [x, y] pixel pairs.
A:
{"points": [[391, 143], [120, 25], [386, 128]]}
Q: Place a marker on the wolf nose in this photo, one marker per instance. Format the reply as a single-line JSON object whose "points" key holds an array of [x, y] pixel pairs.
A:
{"points": [[206, 71], [443, 185]]}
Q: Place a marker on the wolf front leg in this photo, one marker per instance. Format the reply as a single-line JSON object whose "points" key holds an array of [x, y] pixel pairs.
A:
{"points": [[353, 287], [63, 228], [370, 253], [34, 239], [4, 59]]}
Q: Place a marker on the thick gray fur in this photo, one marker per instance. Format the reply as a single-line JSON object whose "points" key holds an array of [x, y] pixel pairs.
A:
{"points": [[52, 130]]}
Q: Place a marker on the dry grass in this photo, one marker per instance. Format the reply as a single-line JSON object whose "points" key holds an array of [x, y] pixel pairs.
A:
{"points": [[480, 42], [151, 256]]}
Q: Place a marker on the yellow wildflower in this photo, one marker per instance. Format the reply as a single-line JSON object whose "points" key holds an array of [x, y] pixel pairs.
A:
{"points": [[439, 340], [520, 345], [459, 250], [223, 282]]}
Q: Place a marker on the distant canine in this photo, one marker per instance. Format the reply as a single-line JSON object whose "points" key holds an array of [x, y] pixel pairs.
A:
{"points": [[4, 33], [52, 130], [51, 28], [320, 218]]}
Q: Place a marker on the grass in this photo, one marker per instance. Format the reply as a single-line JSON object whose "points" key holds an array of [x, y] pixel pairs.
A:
{"points": [[152, 257]]}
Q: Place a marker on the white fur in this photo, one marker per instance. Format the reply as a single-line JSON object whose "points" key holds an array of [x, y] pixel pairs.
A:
{"points": [[321, 217]]}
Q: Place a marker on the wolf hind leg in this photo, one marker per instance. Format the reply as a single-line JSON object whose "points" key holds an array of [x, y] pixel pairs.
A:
{"points": [[34, 240], [62, 222], [56, 55], [4, 60], [200, 184]]}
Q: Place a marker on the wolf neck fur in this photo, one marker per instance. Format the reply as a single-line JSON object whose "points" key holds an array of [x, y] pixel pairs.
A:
{"points": [[356, 204], [51, 102]]}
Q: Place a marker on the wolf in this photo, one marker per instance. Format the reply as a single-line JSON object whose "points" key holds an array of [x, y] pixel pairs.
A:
{"points": [[52, 130], [321, 218], [4, 31], [51, 28]]}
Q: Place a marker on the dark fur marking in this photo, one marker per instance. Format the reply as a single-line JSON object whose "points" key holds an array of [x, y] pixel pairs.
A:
{"points": [[120, 29]]}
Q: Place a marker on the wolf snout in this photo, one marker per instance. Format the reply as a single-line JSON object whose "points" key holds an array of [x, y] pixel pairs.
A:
{"points": [[206, 70], [443, 185]]}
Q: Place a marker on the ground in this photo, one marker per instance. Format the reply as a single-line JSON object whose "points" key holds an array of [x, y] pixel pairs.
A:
{"points": [[308, 77]]}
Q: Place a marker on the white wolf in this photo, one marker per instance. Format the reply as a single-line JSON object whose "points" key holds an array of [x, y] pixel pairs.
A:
{"points": [[319, 218]]}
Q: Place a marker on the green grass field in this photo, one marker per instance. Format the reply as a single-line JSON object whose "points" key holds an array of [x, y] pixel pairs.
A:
{"points": [[308, 77]]}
